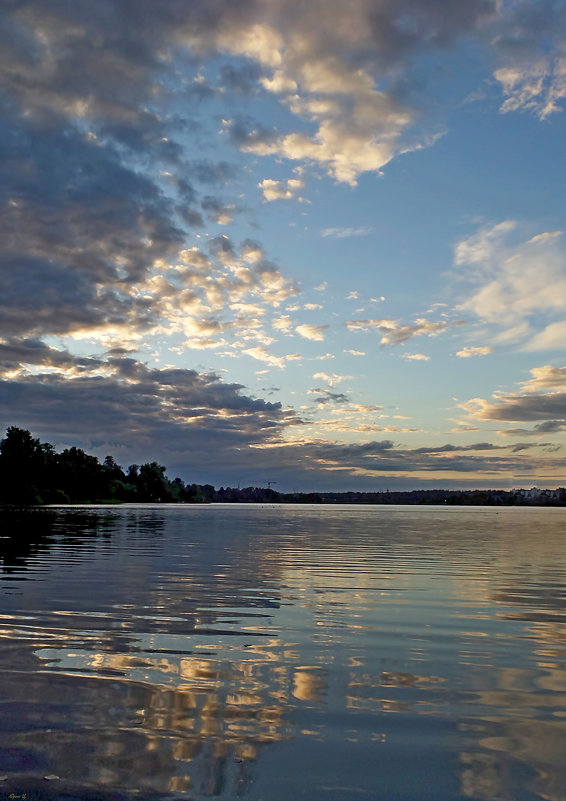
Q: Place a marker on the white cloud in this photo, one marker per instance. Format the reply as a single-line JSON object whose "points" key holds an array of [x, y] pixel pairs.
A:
{"points": [[205, 297], [263, 355], [279, 83], [282, 323], [314, 332], [256, 335], [515, 333], [359, 126], [252, 252], [260, 41], [393, 333], [355, 352], [481, 248], [546, 377], [341, 233], [281, 190], [416, 357], [480, 350], [537, 85], [338, 66], [201, 343], [553, 337], [515, 283], [331, 378]]}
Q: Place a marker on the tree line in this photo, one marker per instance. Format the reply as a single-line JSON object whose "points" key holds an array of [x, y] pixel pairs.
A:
{"points": [[32, 472]]}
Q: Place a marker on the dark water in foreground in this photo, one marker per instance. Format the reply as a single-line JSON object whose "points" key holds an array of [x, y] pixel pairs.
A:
{"points": [[285, 653]]}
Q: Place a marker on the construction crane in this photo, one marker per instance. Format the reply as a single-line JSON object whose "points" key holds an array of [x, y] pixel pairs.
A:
{"points": [[258, 483]]}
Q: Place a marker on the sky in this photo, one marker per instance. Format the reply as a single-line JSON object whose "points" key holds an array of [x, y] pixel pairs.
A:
{"points": [[313, 244]]}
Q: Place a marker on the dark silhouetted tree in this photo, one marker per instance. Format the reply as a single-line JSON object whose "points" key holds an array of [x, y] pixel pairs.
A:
{"points": [[26, 467], [82, 476], [152, 484]]}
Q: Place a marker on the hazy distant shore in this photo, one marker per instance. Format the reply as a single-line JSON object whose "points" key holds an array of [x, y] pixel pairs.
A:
{"points": [[206, 494]]}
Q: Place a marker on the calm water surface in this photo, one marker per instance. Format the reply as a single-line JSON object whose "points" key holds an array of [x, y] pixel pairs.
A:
{"points": [[284, 653]]}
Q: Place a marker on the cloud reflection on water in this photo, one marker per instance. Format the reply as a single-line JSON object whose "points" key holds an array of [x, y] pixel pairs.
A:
{"points": [[175, 662]]}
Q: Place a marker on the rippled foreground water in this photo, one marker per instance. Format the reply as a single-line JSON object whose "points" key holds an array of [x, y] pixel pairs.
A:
{"points": [[284, 653]]}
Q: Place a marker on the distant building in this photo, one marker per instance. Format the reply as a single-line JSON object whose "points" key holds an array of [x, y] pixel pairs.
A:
{"points": [[536, 494]]}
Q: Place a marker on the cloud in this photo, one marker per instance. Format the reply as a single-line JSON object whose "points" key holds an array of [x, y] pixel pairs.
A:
{"points": [[546, 377], [479, 350], [93, 226], [530, 46], [393, 333], [346, 75], [343, 150], [142, 410], [416, 357], [223, 249], [251, 136], [187, 419], [17, 355], [104, 107], [279, 83], [314, 332], [550, 338], [331, 378], [282, 323], [537, 86], [338, 71], [263, 355], [548, 427], [226, 292], [105, 246], [353, 465], [518, 407], [364, 408], [325, 396], [240, 79], [281, 190], [362, 428], [220, 213], [515, 281], [355, 352], [543, 398], [341, 233], [200, 343], [212, 173]]}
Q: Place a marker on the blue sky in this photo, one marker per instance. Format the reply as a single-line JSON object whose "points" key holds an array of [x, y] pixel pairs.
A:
{"points": [[320, 245]]}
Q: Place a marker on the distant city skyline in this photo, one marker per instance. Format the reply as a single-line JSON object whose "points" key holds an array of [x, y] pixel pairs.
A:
{"points": [[319, 245]]}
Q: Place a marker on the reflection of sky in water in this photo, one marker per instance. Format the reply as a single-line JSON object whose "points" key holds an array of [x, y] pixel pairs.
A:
{"points": [[322, 653]]}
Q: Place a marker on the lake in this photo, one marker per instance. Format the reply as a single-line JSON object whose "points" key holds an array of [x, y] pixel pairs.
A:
{"points": [[282, 653]]}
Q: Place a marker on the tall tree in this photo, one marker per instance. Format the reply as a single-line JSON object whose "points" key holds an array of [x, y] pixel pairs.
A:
{"points": [[26, 466]]}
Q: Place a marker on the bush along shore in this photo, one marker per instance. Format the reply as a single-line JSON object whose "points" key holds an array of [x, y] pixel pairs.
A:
{"points": [[32, 472]]}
